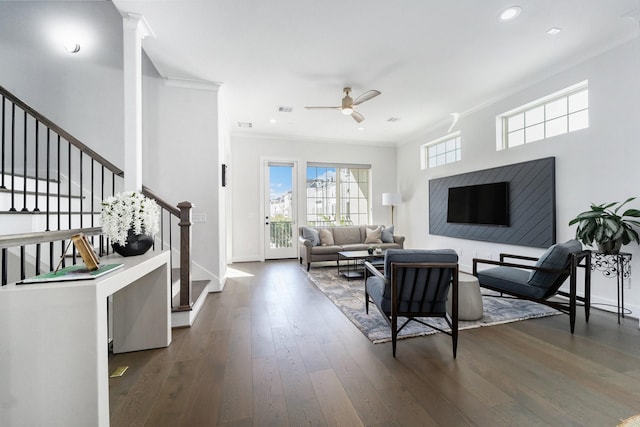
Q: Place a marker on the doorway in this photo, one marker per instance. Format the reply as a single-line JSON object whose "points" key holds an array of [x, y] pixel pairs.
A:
{"points": [[280, 210]]}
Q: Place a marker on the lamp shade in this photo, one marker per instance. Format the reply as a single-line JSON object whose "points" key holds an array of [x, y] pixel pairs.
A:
{"points": [[391, 199]]}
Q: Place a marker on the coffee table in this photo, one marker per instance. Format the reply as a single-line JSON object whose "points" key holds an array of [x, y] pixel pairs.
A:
{"points": [[352, 268]]}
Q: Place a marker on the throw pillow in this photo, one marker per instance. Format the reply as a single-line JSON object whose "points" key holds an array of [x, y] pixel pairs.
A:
{"points": [[312, 235], [373, 236], [326, 237], [387, 234], [556, 257]]}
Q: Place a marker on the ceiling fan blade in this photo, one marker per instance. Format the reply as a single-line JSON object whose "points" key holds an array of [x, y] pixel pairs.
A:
{"points": [[357, 116], [366, 96], [323, 108]]}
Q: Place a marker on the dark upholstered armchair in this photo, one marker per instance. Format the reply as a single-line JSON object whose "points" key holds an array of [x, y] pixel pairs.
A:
{"points": [[414, 284], [542, 281]]}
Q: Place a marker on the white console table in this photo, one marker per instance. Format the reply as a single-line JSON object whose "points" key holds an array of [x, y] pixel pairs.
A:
{"points": [[53, 340]]}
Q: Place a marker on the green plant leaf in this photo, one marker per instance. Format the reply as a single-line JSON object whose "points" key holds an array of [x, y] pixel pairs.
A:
{"points": [[599, 234], [619, 234], [624, 203], [589, 214], [608, 205], [632, 212], [611, 224]]}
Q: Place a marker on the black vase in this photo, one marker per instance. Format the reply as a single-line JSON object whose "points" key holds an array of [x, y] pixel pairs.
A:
{"points": [[137, 244], [610, 246]]}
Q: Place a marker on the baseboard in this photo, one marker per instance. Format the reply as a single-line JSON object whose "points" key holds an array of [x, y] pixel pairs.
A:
{"points": [[185, 319]]}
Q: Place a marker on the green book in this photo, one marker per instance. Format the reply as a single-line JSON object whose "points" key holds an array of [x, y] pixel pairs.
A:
{"points": [[73, 272]]}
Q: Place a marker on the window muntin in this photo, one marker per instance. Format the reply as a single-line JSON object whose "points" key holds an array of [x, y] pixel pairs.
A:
{"points": [[560, 113], [338, 194], [442, 151]]}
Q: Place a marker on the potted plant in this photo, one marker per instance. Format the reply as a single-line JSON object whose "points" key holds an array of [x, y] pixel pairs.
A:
{"points": [[130, 220], [607, 227]]}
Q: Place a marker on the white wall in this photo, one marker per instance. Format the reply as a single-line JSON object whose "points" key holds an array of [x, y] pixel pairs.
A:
{"points": [[181, 161], [247, 155], [82, 95], [599, 164]]}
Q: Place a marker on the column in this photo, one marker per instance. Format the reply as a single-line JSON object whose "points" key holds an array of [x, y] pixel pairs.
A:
{"points": [[135, 28]]}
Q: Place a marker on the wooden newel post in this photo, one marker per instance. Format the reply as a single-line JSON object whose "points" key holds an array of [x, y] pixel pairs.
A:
{"points": [[185, 255]]}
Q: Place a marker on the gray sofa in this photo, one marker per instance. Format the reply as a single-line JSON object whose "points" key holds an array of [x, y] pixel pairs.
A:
{"points": [[343, 238]]}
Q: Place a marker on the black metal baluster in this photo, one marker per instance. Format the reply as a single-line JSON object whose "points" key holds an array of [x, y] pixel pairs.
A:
{"points": [[38, 255], [24, 165], [92, 194], [102, 250], [58, 206], [73, 250], [93, 240], [63, 256], [13, 158], [69, 185], [37, 154], [3, 147], [81, 191], [48, 186], [4, 266], [22, 266], [171, 259], [170, 233], [51, 256], [162, 226]]}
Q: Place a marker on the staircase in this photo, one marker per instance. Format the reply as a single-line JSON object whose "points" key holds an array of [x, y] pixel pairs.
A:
{"points": [[51, 183]]}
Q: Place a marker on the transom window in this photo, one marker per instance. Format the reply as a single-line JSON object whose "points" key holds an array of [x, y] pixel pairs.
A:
{"points": [[338, 194], [559, 113], [442, 151]]}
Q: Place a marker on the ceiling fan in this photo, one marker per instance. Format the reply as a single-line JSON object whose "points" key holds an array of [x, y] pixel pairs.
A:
{"points": [[348, 103]]}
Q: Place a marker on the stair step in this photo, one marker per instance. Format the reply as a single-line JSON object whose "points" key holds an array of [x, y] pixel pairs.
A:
{"points": [[42, 212], [197, 288], [40, 193], [65, 200], [30, 181], [26, 222]]}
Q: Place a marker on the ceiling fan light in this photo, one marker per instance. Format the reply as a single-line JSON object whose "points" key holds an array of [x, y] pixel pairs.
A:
{"points": [[347, 111]]}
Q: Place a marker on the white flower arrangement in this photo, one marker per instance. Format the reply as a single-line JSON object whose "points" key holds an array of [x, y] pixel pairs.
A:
{"points": [[129, 210]]}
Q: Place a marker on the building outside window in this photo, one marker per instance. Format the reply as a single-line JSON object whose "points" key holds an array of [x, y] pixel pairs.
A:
{"points": [[338, 194]]}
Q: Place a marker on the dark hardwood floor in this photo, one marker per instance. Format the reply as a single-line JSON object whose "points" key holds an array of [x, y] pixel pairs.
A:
{"points": [[272, 350]]}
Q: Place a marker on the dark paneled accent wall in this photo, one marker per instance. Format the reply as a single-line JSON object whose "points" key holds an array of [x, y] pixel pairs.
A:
{"points": [[532, 204]]}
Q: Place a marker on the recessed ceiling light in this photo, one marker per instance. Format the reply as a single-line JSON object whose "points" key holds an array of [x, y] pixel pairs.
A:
{"points": [[360, 128], [510, 13], [273, 121], [72, 47], [553, 31]]}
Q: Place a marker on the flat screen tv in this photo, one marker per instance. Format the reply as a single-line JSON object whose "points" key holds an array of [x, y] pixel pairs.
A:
{"points": [[486, 204]]}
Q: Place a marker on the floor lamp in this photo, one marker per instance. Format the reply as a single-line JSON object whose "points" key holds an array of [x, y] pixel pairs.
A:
{"points": [[391, 199]]}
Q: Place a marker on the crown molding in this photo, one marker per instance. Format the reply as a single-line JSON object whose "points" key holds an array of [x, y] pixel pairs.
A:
{"points": [[192, 84]]}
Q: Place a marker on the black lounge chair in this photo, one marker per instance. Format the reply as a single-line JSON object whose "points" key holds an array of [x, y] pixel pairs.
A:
{"points": [[414, 284], [543, 280]]}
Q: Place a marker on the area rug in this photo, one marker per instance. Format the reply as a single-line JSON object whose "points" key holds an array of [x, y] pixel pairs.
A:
{"points": [[348, 296]]}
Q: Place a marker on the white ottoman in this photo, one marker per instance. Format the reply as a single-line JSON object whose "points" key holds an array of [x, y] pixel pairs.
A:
{"points": [[469, 298]]}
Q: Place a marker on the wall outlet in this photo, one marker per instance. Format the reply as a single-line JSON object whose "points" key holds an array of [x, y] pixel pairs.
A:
{"points": [[199, 218]]}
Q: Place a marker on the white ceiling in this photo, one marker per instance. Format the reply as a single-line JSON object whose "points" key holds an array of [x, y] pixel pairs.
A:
{"points": [[429, 58]]}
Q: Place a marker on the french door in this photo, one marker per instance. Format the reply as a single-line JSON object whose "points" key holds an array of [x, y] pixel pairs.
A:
{"points": [[280, 210]]}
